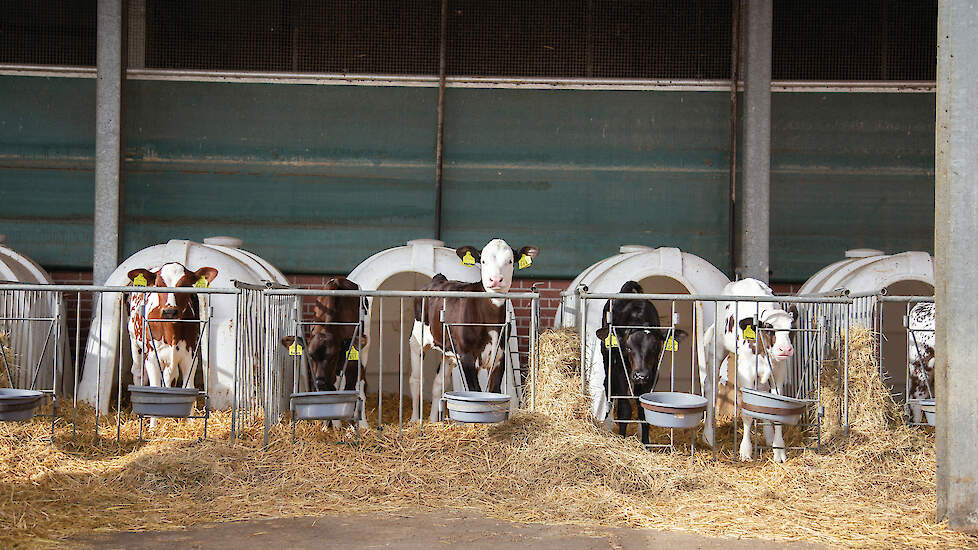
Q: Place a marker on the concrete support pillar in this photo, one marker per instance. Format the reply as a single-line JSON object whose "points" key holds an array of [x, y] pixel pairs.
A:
{"points": [[755, 199], [956, 248], [109, 88]]}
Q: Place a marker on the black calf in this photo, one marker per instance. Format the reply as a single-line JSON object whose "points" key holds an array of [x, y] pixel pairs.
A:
{"points": [[640, 348]]}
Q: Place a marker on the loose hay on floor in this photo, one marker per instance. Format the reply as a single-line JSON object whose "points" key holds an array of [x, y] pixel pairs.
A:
{"points": [[872, 489]]}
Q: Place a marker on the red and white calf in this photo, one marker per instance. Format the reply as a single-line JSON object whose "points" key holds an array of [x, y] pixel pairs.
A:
{"points": [[166, 350], [761, 354], [473, 347]]}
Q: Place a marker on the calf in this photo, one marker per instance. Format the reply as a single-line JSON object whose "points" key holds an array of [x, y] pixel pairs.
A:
{"points": [[920, 356], [471, 346], [632, 355], [332, 349], [328, 348], [761, 354], [169, 348]]}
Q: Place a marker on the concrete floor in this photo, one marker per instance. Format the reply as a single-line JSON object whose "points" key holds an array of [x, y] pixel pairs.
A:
{"points": [[411, 531]]}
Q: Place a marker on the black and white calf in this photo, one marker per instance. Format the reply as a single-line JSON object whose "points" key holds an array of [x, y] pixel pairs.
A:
{"points": [[631, 353], [758, 334], [920, 356], [472, 347]]}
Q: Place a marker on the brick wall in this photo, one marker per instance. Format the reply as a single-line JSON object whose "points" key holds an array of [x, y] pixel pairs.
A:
{"points": [[72, 304]]}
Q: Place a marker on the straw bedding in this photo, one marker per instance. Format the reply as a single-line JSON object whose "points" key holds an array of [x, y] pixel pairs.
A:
{"points": [[874, 488]]}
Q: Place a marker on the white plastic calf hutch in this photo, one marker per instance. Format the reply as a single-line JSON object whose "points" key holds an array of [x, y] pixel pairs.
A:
{"points": [[410, 267], [232, 264], [867, 270], [659, 271], [33, 341]]}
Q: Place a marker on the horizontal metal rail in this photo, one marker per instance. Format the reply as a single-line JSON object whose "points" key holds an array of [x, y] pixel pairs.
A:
{"points": [[908, 299], [716, 298], [127, 289], [401, 293]]}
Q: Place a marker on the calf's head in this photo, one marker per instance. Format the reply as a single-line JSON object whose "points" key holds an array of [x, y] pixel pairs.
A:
{"points": [[498, 260], [173, 275], [774, 331], [641, 349]]}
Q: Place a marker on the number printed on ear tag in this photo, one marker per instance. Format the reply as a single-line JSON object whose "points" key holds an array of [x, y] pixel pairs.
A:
{"points": [[353, 355], [749, 333], [611, 341], [295, 349], [201, 283], [525, 261], [468, 259], [139, 280]]}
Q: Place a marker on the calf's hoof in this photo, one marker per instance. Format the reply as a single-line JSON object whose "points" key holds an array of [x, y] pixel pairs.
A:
{"points": [[780, 455], [745, 453]]}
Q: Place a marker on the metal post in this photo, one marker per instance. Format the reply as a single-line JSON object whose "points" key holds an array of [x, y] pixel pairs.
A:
{"points": [[109, 148], [440, 138], [956, 193], [755, 200]]}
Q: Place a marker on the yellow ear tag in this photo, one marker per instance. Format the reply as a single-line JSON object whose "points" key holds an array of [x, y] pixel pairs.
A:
{"points": [[749, 333], [201, 283], [525, 261], [672, 344], [295, 349], [611, 341], [468, 259], [353, 354], [139, 280]]}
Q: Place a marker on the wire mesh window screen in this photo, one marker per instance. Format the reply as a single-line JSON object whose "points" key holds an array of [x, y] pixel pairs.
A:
{"points": [[845, 40], [607, 39], [48, 32], [590, 39]]}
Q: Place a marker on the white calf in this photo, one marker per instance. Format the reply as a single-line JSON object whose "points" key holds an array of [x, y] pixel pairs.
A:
{"points": [[760, 355]]}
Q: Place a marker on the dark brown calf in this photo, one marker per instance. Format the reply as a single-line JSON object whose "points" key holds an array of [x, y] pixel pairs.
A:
{"points": [[328, 346], [468, 343]]}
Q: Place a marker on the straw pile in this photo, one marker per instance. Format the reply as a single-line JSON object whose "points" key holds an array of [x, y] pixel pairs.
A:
{"points": [[874, 489]]}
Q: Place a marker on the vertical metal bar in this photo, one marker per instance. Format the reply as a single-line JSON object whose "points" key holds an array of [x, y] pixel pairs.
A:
{"points": [[755, 204], [98, 365], [582, 324], [109, 142], [400, 375], [74, 398], [118, 398], [440, 137], [380, 355], [734, 128]]}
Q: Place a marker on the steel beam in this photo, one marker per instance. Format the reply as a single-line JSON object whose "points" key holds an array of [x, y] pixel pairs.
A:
{"points": [[110, 79], [956, 247], [755, 198]]}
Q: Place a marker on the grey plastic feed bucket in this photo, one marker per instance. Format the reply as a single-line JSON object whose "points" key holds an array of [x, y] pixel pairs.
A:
{"points": [[929, 407], [161, 401], [477, 406], [669, 409], [765, 405], [18, 404], [325, 405]]}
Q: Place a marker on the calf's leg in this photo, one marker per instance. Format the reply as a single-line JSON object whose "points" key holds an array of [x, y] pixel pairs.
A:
{"points": [[746, 448], [415, 380]]}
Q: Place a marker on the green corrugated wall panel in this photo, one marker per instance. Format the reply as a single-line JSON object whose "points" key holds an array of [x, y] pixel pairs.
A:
{"points": [[581, 172], [850, 170], [316, 178]]}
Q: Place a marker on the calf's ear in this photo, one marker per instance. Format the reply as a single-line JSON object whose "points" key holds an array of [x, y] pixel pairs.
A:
{"points": [[287, 340], [142, 277], [793, 311], [530, 251], [602, 333], [207, 273], [470, 255], [747, 322]]}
